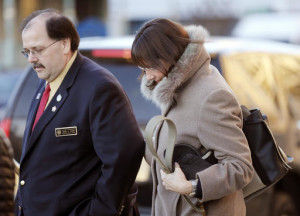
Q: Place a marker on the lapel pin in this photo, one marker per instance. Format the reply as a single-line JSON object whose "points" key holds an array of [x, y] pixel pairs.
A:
{"points": [[58, 98], [38, 96], [53, 108]]}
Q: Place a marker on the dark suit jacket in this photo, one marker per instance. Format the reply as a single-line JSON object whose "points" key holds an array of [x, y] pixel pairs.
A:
{"points": [[88, 173]]}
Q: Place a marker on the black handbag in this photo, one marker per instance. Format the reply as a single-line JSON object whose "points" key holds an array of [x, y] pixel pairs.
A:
{"points": [[191, 160], [269, 161]]}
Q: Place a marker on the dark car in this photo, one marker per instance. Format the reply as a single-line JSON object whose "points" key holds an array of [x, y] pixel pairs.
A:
{"points": [[8, 79], [262, 74]]}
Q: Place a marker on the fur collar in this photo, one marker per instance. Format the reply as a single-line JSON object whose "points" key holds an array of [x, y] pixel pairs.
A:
{"points": [[164, 94]]}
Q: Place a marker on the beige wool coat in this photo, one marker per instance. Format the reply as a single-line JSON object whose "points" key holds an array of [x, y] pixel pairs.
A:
{"points": [[208, 116]]}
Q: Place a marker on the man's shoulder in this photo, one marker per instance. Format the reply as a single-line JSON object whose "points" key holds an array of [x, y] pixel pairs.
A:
{"points": [[93, 73]]}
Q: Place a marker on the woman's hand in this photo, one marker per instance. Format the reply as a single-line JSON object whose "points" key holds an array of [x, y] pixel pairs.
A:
{"points": [[176, 181]]}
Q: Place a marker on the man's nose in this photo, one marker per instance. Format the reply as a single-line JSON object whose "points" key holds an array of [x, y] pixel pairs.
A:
{"points": [[32, 58]]}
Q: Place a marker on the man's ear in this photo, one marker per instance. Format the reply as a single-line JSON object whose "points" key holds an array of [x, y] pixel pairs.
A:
{"points": [[67, 45]]}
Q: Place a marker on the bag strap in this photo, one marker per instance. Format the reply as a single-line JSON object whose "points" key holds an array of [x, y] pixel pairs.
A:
{"points": [[166, 163]]}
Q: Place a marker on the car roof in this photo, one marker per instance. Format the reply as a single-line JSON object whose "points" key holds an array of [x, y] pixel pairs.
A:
{"points": [[89, 43], [214, 45], [232, 44]]}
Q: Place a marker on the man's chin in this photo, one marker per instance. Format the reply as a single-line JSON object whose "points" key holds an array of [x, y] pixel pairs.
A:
{"points": [[38, 69], [41, 74]]}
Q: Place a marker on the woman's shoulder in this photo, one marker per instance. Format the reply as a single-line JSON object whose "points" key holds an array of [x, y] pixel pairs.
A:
{"points": [[208, 81]]}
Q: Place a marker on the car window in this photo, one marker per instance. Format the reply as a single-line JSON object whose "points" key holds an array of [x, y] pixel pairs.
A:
{"points": [[7, 84], [26, 93], [215, 62], [128, 75]]}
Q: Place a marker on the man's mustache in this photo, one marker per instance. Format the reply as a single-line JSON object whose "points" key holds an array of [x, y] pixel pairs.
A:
{"points": [[37, 65]]}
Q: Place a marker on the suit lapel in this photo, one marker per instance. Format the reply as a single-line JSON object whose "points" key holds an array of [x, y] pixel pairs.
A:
{"points": [[31, 114], [49, 113], [53, 107]]}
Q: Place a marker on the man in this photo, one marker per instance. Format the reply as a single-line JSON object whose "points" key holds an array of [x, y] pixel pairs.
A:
{"points": [[81, 156]]}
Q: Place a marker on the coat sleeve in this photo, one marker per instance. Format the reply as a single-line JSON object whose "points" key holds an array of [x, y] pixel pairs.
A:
{"points": [[119, 145], [220, 129]]}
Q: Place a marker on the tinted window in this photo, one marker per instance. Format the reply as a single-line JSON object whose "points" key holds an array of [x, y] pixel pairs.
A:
{"points": [[7, 84], [128, 75], [25, 94], [215, 62]]}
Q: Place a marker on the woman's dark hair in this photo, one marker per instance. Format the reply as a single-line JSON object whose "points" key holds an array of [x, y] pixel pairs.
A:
{"points": [[159, 40], [58, 26]]}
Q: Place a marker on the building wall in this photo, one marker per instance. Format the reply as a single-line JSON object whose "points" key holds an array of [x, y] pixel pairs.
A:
{"points": [[12, 14]]}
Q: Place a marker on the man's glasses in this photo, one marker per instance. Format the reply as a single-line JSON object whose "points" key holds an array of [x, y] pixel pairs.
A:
{"points": [[36, 52]]}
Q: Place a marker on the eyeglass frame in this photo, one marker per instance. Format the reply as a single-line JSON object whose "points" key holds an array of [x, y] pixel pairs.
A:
{"points": [[144, 69], [36, 53]]}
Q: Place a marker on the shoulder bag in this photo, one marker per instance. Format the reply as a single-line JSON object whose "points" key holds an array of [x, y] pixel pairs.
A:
{"points": [[269, 161]]}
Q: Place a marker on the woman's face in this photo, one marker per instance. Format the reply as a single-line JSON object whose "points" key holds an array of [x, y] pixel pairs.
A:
{"points": [[154, 76]]}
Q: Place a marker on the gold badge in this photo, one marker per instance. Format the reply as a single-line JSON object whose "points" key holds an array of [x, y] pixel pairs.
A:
{"points": [[66, 131]]}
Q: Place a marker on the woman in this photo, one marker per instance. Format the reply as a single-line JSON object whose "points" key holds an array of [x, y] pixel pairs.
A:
{"points": [[7, 177], [178, 78]]}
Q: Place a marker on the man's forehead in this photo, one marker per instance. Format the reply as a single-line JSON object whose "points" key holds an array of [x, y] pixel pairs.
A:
{"points": [[35, 35], [35, 30], [36, 22]]}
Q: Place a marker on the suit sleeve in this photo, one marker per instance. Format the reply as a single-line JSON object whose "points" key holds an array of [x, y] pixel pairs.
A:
{"points": [[118, 143], [222, 112]]}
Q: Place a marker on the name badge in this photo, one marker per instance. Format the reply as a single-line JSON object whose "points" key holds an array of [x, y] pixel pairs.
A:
{"points": [[66, 131]]}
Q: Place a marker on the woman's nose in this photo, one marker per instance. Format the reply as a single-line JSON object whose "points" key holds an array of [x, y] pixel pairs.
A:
{"points": [[149, 75]]}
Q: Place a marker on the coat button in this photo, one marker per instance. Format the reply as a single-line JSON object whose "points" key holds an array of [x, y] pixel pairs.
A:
{"points": [[22, 182]]}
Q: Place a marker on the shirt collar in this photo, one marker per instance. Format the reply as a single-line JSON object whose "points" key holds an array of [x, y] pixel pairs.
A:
{"points": [[54, 85]]}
